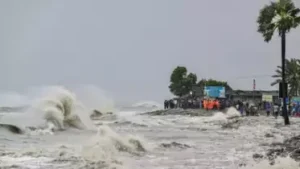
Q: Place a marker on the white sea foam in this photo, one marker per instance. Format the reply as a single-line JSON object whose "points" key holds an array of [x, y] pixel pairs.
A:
{"points": [[172, 141]]}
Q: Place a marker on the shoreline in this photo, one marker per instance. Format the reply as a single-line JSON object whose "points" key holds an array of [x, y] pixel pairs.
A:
{"points": [[186, 112]]}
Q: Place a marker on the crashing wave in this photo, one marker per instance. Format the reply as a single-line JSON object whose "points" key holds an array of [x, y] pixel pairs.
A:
{"points": [[147, 104], [229, 119], [61, 108], [107, 143], [58, 109]]}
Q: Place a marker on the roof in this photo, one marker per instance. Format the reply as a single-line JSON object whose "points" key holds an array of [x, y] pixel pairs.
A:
{"points": [[253, 93]]}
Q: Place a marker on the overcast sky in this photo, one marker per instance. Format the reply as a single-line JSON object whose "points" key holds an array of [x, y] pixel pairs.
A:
{"points": [[130, 47]]}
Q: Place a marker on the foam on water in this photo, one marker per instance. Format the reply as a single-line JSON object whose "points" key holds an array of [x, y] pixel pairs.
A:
{"points": [[148, 104], [280, 163], [95, 98], [173, 141], [107, 143], [232, 112], [54, 105], [135, 118], [57, 105], [132, 114]]}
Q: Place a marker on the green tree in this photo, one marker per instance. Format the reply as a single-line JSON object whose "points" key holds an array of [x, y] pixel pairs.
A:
{"points": [[192, 78], [181, 81], [280, 16], [292, 74]]}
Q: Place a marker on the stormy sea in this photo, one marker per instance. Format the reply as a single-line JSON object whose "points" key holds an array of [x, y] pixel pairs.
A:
{"points": [[60, 128]]}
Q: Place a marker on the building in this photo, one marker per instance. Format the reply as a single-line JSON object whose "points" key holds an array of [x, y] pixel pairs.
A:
{"points": [[197, 91], [255, 95]]}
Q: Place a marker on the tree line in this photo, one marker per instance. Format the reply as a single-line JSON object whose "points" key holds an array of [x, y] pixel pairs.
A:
{"points": [[182, 82]]}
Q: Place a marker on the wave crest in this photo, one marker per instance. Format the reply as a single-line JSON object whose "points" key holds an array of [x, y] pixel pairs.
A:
{"points": [[56, 105], [147, 104]]}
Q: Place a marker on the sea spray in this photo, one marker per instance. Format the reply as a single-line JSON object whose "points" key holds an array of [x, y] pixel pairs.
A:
{"points": [[53, 104], [94, 98], [279, 163], [152, 105], [220, 117], [209, 148], [59, 106], [229, 119], [122, 143], [106, 145], [232, 112]]}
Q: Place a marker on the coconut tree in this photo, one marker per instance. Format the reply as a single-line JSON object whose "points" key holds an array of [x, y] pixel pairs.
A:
{"points": [[280, 16], [292, 76]]}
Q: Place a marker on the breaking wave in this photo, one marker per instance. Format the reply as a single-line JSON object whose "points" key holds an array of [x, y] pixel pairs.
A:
{"points": [[132, 115], [107, 141], [54, 108], [229, 119], [147, 105], [58, 108], [214, 139]]}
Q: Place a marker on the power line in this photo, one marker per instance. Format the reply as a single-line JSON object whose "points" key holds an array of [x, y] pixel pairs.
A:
{"points": [[253, 76]]}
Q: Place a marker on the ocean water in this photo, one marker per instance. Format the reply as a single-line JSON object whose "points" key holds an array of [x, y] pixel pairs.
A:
{"points": [[130, 139]]}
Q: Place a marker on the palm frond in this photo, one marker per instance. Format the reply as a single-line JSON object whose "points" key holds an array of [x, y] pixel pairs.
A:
{"points": [[281, 15], [294, 12], [275, 82], [296, 21], [276, 76], [278, 72], [292, 71], [286, 5], [265, 26]]}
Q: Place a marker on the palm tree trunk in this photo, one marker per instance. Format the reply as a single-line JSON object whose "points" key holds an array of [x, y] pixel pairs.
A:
{"points": [[284, 96]]}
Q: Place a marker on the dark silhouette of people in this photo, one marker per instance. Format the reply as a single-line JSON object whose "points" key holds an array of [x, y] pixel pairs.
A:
{"points": [[171, 104], [276, 109], [166, 103], [268, 108]]}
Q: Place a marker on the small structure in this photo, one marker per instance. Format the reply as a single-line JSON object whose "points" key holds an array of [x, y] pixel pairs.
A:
{"points": [[197, 91], [255, 95]]}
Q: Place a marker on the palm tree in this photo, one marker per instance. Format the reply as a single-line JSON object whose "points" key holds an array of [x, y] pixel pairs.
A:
{"points": [[292, 74], [280, 16]]}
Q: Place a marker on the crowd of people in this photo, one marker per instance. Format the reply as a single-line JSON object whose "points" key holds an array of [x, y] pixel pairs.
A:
{"points": [[270, 108], [192, 103], [170, 104], [247, 108], [196, 103]]}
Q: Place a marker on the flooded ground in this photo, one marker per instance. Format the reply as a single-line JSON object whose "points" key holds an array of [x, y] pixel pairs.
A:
{"points": [[133, 140]]}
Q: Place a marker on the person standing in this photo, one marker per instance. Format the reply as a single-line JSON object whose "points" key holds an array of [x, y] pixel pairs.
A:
{"points": [[268, 108], [276, 110], [166, 104], [205, 104], [241, 106], [200, 103]]}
